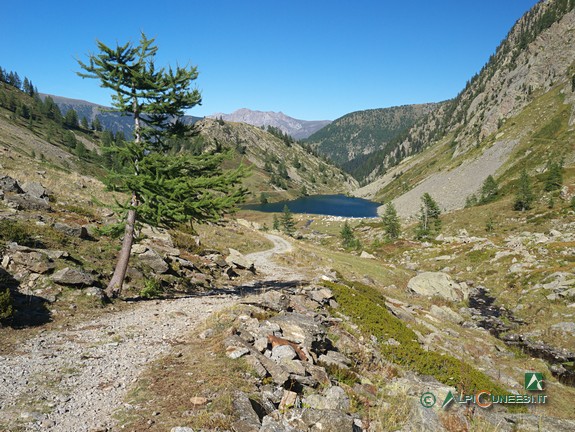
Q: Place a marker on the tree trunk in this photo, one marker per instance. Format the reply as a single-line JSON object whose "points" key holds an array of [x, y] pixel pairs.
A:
{"points": [[115, 286]]}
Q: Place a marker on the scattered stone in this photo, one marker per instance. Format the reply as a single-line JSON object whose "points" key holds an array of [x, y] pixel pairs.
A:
{"points": [[181, 429], [235, 352], [71, 276], [95, 292], [257, 366], [282, 352], [366, 255], [10, 185], [248, 418], [274, 300], [36, 190], [198, 401], [289, 399], [206, 334], [334, 358], [564, 327], [33, 261]]}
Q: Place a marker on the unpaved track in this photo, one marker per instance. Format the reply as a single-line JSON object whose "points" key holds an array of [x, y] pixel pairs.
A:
{"points": [[81, 375], [74, 379]]}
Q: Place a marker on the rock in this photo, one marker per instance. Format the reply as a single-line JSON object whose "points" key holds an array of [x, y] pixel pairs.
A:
{"points": [[248, 418], [336, 359], [289, 399], [366, 255], [334, 398], [319, 374], [27, 202], [206, 334], [33, 261], [445, 313], [36, 190], [152, 259], [198, 401], [75, 277], [282, 352], [564, 327], [327, 420], [181, 429], [235, 352], [257, 366], [95, 292], [238, 260], [8, 184], [138, 249], [299, 328], [274, 300], [72, 231], [436, 284], [261, 344], [321, 295]]}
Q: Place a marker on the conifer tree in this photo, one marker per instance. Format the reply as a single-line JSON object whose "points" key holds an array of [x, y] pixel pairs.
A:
{"points": [[429, 221], [287, 222], [166, 190], [489, 190], [276, 223], [554, 177], [524, 196], [391, 223], [347, 236]]}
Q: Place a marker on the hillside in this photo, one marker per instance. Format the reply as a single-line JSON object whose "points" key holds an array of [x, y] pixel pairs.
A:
{"points": [[298, 129], [359, 141], [280, 169], [517, 112], [109, 120]]}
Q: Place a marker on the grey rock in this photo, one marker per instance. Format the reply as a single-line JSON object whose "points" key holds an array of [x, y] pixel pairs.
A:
{"points": [[283, 352], [152, 259], [261, 344], [274, 300], [564, 327], [181, 429], [445, 313], [248, 420], [95, 292], [235, 352], [8, 184], [366, 255], [257, 366], [299, 328], [334, 398], [238, 260], [320, 295], [71, 276], [36, 190], [334, 358], [295, 367], [72, 231], [26, 202], [436, 284], [33, 261]]}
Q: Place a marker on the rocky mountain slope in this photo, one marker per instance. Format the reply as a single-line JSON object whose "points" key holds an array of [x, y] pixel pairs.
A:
{"points": [[360, 140], [298, 129], [280, 168], [520, 106]]}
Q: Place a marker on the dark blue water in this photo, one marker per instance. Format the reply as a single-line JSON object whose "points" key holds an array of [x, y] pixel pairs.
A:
{"points": [[331, 205]]}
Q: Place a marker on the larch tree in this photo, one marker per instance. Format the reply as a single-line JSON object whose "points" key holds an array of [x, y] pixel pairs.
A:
{"points": [[166, 190]]}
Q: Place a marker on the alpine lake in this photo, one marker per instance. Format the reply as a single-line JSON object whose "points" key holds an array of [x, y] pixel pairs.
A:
{"points": [[329, 205]]}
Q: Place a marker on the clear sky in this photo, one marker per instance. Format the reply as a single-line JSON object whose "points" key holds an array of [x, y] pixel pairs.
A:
{"points": [[312, 60]]}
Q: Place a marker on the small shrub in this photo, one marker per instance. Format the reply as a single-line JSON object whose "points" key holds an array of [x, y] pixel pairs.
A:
{"points": [[152, 289], [14, 231]]}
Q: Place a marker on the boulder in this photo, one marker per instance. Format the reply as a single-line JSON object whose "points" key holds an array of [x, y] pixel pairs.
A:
{"points": [[239, 261], [74, 277], [274, 300], [334, 358], [152, 259], [33, 261], [436, 284], [248, 420], [27, 202], [10, 185], [334, 398], [366, 255], [72, 231], [35, 190]]}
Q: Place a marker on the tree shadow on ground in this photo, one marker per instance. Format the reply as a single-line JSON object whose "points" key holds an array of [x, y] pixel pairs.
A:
{"points": [[29, 310]]}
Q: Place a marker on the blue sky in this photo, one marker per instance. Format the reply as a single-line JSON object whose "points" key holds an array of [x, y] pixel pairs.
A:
{"points": [[311, 59]]}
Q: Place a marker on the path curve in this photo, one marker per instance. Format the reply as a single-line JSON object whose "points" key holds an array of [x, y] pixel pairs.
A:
{"points": [[269, 268]]}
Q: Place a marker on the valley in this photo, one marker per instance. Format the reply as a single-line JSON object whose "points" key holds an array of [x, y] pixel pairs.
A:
{"points": [[240, 311]]}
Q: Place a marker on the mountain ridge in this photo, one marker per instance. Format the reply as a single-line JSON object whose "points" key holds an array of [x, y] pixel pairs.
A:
{"points": [[298, 129]]}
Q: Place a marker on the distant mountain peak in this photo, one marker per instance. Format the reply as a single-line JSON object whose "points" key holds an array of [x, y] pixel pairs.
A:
{"points": [[299, 129]]}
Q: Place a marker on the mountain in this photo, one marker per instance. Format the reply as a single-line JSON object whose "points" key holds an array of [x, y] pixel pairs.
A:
{"points": [[110, 120], [298, 129], [280, 169], [353, 140], [517, 112]]}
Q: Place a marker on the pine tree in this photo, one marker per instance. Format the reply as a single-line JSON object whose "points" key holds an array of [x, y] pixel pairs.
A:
{"points": [[429, 220], [276, 223], [166, 190], [347, 236], [84, 123], [489, 190], [524, 196], [287, 222], [554, 177], [97, 125], [391, 223], [71, 119]]}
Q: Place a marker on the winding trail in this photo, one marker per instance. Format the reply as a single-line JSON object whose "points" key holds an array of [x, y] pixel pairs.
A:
{"points": [[73, 379]]}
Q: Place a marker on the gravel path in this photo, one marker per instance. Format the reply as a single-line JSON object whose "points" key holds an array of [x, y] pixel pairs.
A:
{"points": [[74, 379]]}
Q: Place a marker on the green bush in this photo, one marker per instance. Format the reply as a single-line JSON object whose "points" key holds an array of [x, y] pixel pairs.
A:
{"points": [[13, 231], [152, 289], [6, 308], [366, 307]]}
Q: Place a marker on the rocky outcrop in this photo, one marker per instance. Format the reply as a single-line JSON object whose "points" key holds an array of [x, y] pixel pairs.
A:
{"points": [[28, 196]]}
